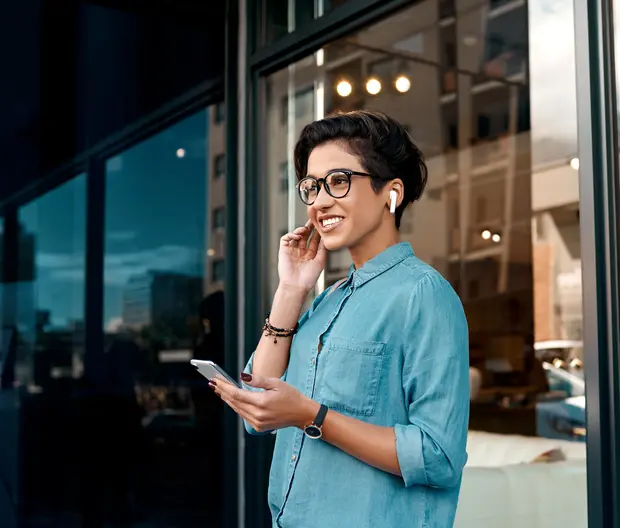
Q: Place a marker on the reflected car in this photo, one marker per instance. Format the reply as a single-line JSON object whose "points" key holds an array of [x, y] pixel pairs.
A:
{"points": [[561, 413]]}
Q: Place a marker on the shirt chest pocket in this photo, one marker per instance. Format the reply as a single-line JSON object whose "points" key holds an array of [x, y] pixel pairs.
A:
{"points": [[351, 375]]}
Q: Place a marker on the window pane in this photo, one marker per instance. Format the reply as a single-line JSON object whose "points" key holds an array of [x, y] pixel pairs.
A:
{"points": [[164, 230], [51, 288], [284, 16], [482, 93], [49, 320], [2, 278]]}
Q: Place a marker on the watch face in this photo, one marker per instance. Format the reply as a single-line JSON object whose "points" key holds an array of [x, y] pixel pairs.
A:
{"points": [[312, 431]]}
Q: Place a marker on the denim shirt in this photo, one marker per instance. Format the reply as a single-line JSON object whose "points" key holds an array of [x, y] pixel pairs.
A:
{"points": [[388, 346]]}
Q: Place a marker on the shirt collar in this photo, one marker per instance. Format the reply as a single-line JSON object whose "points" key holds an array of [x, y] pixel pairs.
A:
{"points": [[384, 261]]}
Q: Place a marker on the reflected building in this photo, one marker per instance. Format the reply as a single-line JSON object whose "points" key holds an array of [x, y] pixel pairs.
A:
{"points": [[216, 200], [488, 220], [163, 298]]}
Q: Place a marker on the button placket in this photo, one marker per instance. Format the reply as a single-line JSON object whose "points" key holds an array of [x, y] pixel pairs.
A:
{"points": [[309, 391]]}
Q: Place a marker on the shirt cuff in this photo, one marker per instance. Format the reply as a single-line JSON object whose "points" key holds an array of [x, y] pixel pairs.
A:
{"points": [[248, 370], [410, 454]]}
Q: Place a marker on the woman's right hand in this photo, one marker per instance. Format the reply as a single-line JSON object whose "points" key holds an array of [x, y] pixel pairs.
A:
{"points": [[300, 263]]}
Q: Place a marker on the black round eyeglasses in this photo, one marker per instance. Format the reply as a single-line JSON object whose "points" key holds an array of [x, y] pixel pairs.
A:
{"points": [[337, 183]]}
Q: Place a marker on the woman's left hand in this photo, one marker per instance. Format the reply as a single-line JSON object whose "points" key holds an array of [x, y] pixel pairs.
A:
{"points": [[278, 406]]}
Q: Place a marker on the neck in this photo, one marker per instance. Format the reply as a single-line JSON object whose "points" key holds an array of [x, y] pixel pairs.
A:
{"points": [[374, 243]]}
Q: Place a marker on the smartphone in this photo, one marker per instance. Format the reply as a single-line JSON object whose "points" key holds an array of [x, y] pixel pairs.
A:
{"points": [[211, 370]]}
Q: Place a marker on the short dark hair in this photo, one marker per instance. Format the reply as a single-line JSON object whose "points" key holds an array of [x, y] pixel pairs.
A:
{"points": [[381, 144]]}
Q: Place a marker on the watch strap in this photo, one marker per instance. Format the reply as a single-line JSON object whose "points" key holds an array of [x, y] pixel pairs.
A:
{"points": [[320, 416]]}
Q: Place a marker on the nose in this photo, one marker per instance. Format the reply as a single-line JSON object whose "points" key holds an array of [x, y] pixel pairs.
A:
{"points": [[323, 199]]}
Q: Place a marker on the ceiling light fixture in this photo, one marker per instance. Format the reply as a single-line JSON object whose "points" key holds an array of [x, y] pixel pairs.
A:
{"points": [[373, 86], [402, 83], [344, 88]]}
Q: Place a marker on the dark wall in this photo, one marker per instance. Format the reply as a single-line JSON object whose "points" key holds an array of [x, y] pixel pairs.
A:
{"points": [[79, 72]]}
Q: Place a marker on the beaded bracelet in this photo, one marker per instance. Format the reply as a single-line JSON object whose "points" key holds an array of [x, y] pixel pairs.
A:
{"points": [[270, 330]]}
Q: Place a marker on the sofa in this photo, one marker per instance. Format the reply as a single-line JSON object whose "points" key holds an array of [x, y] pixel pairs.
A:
{"points": [[513, 481]]}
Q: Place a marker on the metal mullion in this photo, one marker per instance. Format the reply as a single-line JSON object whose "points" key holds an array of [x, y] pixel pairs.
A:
{"points": [[598, 155]]}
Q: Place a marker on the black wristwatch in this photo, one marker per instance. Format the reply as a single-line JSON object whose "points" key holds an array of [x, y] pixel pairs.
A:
{"points": [[315, 429]]}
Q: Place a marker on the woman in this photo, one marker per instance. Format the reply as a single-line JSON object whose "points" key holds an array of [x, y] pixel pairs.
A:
{"points": [[369, 391]]}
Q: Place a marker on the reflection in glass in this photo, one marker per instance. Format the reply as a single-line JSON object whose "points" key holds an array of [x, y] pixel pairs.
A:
{"points": [[499, 219], [164, 233], [286, 16], [48, 327], [2, 278]]}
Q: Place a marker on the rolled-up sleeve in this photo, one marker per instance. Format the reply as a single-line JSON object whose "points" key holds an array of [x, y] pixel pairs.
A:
{"points": [[431, 447]]}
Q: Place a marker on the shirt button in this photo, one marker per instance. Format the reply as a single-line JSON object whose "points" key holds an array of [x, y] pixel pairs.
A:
{"points": [[313, 361], [293, 458]]}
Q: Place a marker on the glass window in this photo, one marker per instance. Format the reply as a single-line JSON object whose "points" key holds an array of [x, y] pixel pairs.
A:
{"points": [[219, 217], [50, 294], [220, 112], [161, 308], [2, 277], [218, 270], [220, 165], [286, 16], [43, 344], [482, 93]]}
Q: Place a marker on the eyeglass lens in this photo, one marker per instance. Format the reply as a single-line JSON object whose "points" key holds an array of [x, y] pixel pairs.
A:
{"points": [[336, 184]]}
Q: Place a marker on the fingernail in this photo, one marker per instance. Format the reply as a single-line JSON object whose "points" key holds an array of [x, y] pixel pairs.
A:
{"points": [[246, 377], [212, 383]]}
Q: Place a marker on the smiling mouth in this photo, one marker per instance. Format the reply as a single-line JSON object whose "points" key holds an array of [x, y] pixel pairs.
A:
{"points": [[331, 223]]}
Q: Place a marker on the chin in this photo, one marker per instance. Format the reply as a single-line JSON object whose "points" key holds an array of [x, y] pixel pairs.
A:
{"points": [[334, 243]]}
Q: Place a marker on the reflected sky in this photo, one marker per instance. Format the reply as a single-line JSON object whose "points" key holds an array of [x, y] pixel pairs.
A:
{"points": [[553, 92], [156, 195], [56, 225], [156, 219]]}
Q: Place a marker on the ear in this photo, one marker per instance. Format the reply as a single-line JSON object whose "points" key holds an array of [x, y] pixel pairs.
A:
{"points": [[396, 186]]}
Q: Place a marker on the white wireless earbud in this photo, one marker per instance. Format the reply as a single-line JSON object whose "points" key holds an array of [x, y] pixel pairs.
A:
{"points": [[393, 197]]}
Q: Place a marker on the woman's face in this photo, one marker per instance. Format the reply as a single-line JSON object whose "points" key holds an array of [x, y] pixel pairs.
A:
{"points": [[352, 218]]}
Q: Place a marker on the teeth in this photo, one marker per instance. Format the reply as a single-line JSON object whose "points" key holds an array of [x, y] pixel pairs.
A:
{"points": [[332, 221]]}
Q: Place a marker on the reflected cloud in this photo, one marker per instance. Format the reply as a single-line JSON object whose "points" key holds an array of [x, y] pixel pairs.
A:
{"points": [[59, 260], [553, 95], [119, 268], [114, 325], [61, 266], [121, 236], [115, 164]]}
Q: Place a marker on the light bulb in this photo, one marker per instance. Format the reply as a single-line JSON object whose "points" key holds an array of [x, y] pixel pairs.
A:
{"points": [[180, 153], [486, 234], [402, 84], [344, 88], [574, 163], [496, 238], [373, 86]]}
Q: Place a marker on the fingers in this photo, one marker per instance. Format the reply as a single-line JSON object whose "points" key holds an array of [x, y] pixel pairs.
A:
{"points": [[234, 398], [261, 382], [290, 239], [314, 243], [298, 237]]}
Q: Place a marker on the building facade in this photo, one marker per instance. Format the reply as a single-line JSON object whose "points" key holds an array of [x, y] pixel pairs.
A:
{"points": [[147, 177]]}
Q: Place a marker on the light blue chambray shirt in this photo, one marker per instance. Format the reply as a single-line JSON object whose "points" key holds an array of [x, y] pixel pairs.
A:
{"points": [[394, 352]]}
